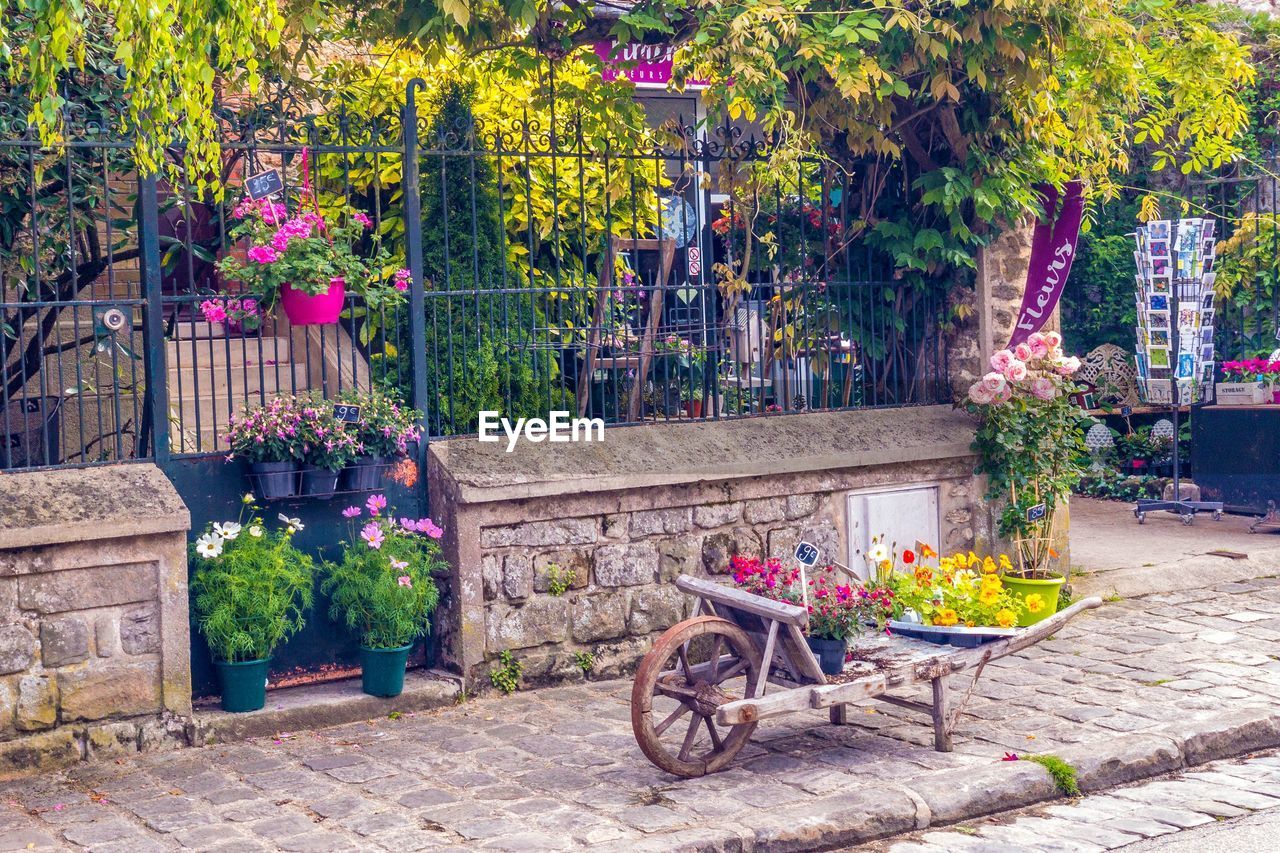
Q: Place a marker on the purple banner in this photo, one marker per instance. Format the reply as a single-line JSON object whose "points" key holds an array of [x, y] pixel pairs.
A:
{"points": [[646, 65], [1053, 248]]}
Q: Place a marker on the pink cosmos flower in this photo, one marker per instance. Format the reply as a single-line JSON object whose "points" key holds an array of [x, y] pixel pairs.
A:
{"points": [[263, 255], [404, 580], [993, 381], [429, 527], [1000, 360], [1022, 352], [376, 504], [351, 512], [399, 565], [372, 535], [1016, 371]]}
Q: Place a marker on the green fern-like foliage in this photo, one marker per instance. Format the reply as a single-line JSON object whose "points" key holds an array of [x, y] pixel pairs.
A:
{"points": [[385, 593], [253, 595]]}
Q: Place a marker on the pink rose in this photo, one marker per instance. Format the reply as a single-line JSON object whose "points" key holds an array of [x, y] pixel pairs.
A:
{"points": [[1000, 360], [1068, 366], [1037, 345], [980, 394], [993, 381], [1016, 371], [1043, 389], [1004, 395], [1022, 352], [1053, 339]]}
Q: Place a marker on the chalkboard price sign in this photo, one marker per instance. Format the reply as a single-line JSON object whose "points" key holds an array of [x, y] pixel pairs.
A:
{"points": [[346, 414], [807, 554], [264, 184]]}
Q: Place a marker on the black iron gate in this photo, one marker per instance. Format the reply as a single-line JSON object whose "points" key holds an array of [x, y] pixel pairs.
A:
{"points": [[670, 273]]}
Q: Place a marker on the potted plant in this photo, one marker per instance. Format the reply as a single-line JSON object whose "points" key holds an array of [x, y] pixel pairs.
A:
{"points": [[250, 591], [837, 612], [269, 438], [327, 448], [307, 262], [1030, 444], [381, 432], [1243, 383], [232, 315], [383, 589]]}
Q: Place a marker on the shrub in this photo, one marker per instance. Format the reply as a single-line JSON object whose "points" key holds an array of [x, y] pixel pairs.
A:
{"points": [[383, 586], [251, 589]]}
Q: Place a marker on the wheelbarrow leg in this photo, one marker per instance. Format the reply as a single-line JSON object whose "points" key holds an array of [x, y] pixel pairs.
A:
{"points": [[840, 715], [941, 727]]}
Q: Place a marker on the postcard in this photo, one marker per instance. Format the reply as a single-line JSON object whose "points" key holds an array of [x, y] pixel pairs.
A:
{"points": [[1159, 338], [1159, 358], [1158, 302], [1158, 319], [1186, 366], [1158, 229]]}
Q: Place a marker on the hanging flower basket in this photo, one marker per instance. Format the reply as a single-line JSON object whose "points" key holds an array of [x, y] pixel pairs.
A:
{"points": [[323, 309]]}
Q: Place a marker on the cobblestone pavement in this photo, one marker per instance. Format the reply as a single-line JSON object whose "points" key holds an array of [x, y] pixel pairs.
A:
{"points": [[558, 768], [1220, 791]]}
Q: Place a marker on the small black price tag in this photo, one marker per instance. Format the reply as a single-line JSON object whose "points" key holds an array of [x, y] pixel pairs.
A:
{"points": [[346, 414], [1037, 512], [264, 184], [806, 554]]}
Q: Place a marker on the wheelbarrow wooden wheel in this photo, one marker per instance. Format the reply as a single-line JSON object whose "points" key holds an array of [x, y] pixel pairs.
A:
{"points": [[695, 667]]}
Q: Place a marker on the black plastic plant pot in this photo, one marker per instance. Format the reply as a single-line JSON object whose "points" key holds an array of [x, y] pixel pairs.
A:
{"points": [[364, 475], [830, 654], [275, 480], [319, 482]]}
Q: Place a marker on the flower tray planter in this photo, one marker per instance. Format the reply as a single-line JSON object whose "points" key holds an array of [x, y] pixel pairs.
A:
{"points": [[319, 483], [959, 636], [365, 474]]}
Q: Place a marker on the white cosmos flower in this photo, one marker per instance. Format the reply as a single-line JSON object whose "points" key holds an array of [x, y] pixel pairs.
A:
{"points": [[228, 530], [248, 498], [878, 553], [294, 523], [255, 530], [209, 546]]}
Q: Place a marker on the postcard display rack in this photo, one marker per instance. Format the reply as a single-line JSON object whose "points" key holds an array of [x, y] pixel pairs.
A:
{"points": [[1174, 352]]}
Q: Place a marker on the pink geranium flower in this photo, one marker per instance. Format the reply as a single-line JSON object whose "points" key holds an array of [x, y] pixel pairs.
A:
{"points": [[263, 255]]}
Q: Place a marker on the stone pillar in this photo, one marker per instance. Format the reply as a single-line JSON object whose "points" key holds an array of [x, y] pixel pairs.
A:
{"points": [[1001, 281], [95, 654]]}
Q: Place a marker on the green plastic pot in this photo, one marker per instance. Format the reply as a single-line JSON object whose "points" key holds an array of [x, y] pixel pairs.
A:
{"points": [[244, 684], [1048, 590], [383, 670]]}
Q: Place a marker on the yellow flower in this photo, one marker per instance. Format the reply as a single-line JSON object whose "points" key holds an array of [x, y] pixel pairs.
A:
{"points": [[988, 566], [1006, 565], [973, 559], [992, 582], [989, 595], [969, 623], [1035, 602], [1005, 618], [946, 617]]}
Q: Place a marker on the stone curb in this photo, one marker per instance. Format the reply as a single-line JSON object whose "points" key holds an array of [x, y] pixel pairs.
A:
{"points": [[319, 706], [972, 792]]}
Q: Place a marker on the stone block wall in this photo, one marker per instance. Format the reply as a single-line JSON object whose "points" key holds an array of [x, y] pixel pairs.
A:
{"points": [[94, 643], [617, 538]]}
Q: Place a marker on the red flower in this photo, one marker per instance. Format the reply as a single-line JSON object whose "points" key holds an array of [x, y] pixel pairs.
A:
{"points": [[908, 556]]}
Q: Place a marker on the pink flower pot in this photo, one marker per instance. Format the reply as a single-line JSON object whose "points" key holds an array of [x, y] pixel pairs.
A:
{"points": [[303, 309]]}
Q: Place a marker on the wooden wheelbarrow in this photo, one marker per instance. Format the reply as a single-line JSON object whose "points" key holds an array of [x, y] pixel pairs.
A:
{"points": [[716, 667]]}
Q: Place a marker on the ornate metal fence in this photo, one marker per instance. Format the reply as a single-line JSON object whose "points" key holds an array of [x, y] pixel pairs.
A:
{"points": [[688, 277]]}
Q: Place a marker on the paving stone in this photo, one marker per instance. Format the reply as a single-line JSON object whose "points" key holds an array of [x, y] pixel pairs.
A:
{"points": [[1140, 826]]}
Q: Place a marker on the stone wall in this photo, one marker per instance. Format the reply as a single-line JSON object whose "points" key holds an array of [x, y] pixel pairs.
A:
{"points": [[94, 642], [621, 520]]}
